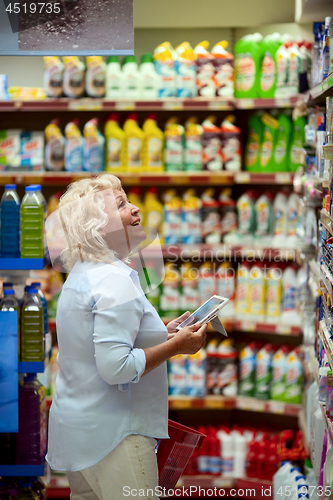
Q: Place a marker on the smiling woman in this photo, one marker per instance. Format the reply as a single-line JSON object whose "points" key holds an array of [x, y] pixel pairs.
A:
{"points": [[111, 401]]}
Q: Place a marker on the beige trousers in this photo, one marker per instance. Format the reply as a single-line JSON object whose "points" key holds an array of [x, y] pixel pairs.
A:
{"points": [[130, 467]]}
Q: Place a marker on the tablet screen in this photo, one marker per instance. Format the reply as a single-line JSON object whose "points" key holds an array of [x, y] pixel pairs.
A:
{"points": [[203, 311]]}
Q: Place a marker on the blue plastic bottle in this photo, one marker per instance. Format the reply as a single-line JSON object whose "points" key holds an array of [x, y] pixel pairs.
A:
{"points": [[10, 222]]}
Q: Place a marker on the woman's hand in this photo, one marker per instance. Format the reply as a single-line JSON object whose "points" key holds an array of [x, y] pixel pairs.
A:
{"points": [[191, 339], [172, 325]]}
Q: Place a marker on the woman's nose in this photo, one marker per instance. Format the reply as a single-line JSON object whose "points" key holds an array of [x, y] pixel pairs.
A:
{"points": [[135, 209]]}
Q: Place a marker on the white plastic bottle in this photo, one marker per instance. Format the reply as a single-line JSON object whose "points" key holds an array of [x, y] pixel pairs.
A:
{"points": [[280, 476], [292, 217], [279, 220], [114, 79], [132, 78], [149, 83], [240, 453], [227, 452], [317, 445], [289, 282], [312, 393]]}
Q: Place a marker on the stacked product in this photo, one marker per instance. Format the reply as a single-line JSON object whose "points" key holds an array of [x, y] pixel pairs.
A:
{"points": [[21, 150]]}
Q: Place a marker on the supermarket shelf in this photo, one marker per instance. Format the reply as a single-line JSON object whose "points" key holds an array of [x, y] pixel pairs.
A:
{"points": [[327, 279], [21, 264], [273, 407], [328, 423], [202, 403], [327, 342], [275, 329], [319, 93], [326, 220], [22, 470], [327, 153], [259, 178], [282, 102]]}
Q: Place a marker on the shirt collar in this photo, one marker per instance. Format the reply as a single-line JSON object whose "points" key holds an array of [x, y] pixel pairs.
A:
{"points": [[128, 270]]}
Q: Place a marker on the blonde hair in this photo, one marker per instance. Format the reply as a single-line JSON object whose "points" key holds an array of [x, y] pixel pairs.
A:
{"points": [[81, 212]]}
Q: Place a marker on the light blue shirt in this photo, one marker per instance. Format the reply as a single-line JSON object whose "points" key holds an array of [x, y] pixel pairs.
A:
{"points": [[104, 322]]}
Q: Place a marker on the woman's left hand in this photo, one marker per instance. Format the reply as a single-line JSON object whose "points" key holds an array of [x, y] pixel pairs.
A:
{"points": [[171, 327]]}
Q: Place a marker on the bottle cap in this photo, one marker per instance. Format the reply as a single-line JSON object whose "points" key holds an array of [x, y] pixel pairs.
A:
{"points": [[147, 58], [113, 59], [30, 189], [29, 376], [8, 292], [7, 284], [32, 290], [128, 59], [37, 187], [35, 284], [10, 186]]}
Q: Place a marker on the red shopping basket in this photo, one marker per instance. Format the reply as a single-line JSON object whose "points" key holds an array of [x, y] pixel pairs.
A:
{"points": [[173, 454]]}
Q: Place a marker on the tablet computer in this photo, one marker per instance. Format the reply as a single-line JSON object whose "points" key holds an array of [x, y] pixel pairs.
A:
{"points": [[205, 313]]}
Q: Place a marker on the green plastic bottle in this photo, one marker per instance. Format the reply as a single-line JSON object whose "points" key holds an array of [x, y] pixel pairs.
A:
{"points": [[32, 224], [248, 56], [32, 327], [296, 143], [254, 140], [282, 146], [268, 73], [266, 157]]}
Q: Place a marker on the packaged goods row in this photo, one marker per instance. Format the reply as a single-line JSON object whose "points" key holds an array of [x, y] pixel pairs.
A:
{"points": [[25, 488]]}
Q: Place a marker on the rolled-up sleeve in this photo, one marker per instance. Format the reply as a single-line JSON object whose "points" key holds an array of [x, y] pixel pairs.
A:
{"points": [[115, 330]]}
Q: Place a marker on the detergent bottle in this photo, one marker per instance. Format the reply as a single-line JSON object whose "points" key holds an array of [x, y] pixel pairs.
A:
{"points": [[153, 211], [134, 141], [231, 144], [289, 306], [53, 76], [93, 150], [273, 294], [225, 287], [134, 197], [95, 76], [253, 144], [205, 70], [206, 282], [246, 214], [149, 78], [73, 147], [177, 375], [282, 58], [257, 294], [54, 147], [191, 218], [172, 217], [268, 75], [264, 218], [228, 213], [186, 70], [193, 145], [189, 288], [115, 151], [132, 78], [266, 156], [170, 302], [211, 223], [114, 79], [292, 220], [248, 56], [297, 143], [263, 372], [153, 145], [279, 369], [247, 369], [74, 79], [281, 150], [212, 145], [174, 145], [294, 378], [165, 65], [243, 289], [196, 374], [280, 219], [224, 70]]}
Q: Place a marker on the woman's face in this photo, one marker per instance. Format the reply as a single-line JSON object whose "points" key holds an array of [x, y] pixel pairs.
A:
{"points": [[123, 230]]}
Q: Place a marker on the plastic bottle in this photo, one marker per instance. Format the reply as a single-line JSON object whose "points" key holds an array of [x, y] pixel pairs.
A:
{"points": [[172, 218], [246, 214], [32, 150], [149, 78], [248, 55], [318, 439], [321, 137], [73, 147], [205, 70], [270, 135], [153, 145], [282, 59], [115, 151], [316, 53], [240, 452], [191, 218], [273, 294], [289, 312], [153, 211], [253, 144], [174, 145], [93, 150], [32, 327], [10, 222], [281, 150], [196, 374], [280, 220], [74, 79], [294, 378], [226, 367], [257, 294], [243, 288], [212, 145], [25, 492], [170, 297], [228, 213], [53, 76], [326, 49], [227, 452], [134, 138], [247, 369], [164, 57], [225, 287], [95, 76], [186, 70], [10, 303], [193, 145], [37, 286], [134, 197], [264, 218], [224, 70], [214, 459], [211, 224], [296, 143], [292, 220], [31, 438], [268, 75], [189, 288], [263, 372], [231, 144], [132, 78], [32, 224], [279, 367], [55, 147], [114, 79], [206, 282], [252, 459]]}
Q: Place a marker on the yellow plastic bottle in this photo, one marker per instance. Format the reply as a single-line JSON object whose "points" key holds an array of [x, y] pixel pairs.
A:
{"points": [[134, 138], [153, 209], [153, 145], [134, 197], [115, 151]]}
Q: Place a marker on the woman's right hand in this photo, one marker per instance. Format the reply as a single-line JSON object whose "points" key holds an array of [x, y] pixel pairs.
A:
{"points": [[191, 339]]}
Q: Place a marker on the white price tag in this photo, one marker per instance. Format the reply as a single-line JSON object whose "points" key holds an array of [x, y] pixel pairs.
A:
{"points": [[242, 177], [245, 103], [219, 106], [85, 105], [173, 105], [283, 178], [125, 105], [276, 407]]}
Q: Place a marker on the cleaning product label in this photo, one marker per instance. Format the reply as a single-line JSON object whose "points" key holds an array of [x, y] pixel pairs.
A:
{"points": [[224, 76], [278, 385], [292, 221], [228, 222], [190, 295], [172, 224], [263, 374], [279, 222], [296, 152], [134, 148], [32, 149], [245, 72], [96, 76], [212, 153], [193, 152], [211, 225], [74, 154], [186, 78], [10, 148], [154, 219], [257, 292], [242, 291], [196, 374], [273, 297], [247, 370], [245, 217], [155, 152], [231, 151], [53, 74], [266, 148], [280, 151], [294, 68], [177, 375], [113, 152], [282, 69], [191, 224], [170, 298], [267, 76], [173, 153], [167, 78], [252, 149], [205, 81], [263, 217], [294, 382], [289, 298]]}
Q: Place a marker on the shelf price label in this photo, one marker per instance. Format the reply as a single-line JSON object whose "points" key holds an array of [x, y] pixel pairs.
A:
{"points": [[242, 177], [85, 105], [125, 106], [173, 105], [283, 178], [245, 103]]}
